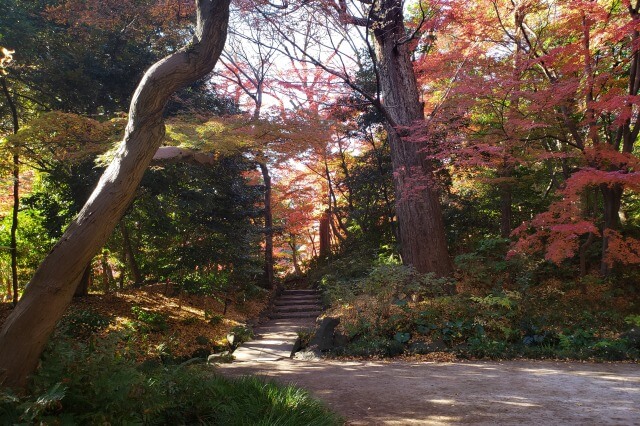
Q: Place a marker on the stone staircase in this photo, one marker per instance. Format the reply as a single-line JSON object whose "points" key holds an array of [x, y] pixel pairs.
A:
{"points": [[293, 310], [297, 304]]}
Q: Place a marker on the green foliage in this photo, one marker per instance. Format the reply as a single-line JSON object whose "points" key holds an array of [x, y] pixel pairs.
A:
{"points": [[305, 335], [239, 335], [633, 320], [393, 303], [100, 384], [156, 321], [485, 267], [206, 283], [506, 301], [213, 318], [374, 346], [577, 340], [402, 337], [84, 322], [194, 222]]}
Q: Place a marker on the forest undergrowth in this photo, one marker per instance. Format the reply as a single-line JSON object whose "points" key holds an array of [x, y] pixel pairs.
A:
{"points": [[141, 357], [499, 310]]}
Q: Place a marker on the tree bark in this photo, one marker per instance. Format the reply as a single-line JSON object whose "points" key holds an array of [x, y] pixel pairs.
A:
{"points": [[107, 274], [325, 234], [268, 226], [130, 255], [611, 200], [46, 297], [16, 194], [421, 226], [293, 243]]}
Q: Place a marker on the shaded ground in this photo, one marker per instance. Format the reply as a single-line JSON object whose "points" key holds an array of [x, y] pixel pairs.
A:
{"points": [[188, 318], [514, 392]]}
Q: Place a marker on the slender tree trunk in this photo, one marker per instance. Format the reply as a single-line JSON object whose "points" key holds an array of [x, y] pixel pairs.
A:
{"points": [[583, 256], [312, 240], [27, 329], [293, 243], [325, 234], [421, 225], [333, 206], [107, 274], [130, 255], [16, 194], [611, 200], [268, 226], [82, 289], [506, 212]]}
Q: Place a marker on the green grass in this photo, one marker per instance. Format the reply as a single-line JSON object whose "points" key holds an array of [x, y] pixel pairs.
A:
{"points": [[99, 383]]}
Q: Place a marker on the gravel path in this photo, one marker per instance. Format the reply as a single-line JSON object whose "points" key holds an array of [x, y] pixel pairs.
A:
{"points": [[506, 393]]}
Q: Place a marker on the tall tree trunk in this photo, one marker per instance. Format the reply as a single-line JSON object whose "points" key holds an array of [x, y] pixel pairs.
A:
{"points": [[27, 329], [421, 225], [293, 243], [333, 207], [130, 255], [268, 226], [611, 200], [107, 273], [16, 194], [506, 211], [325, 234]]}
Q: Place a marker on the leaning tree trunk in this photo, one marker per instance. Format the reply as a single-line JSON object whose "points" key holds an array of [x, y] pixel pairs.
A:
{"points": [[421, 226], [46, 297]]}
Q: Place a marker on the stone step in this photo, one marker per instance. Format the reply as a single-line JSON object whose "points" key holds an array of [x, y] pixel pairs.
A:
{"points": [[298, 299], [297, 308], [305, 302], [299, 295], [292, 315], [298, 303], [301, 292]]}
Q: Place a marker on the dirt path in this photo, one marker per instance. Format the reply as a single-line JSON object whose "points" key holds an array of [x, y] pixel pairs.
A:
{"points": [[506, 393]]}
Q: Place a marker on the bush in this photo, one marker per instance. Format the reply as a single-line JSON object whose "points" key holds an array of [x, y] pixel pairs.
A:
{"points": [[84, 322], [83, 384], [156, 321], [213, 318], [239, 335], [207, 284], [369, 346], [505, 311]]}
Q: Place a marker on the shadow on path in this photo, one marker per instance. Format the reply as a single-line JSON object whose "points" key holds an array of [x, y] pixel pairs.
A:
{"points": [[506, 393]]}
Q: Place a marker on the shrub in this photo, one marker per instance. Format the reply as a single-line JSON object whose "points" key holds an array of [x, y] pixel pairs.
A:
{"points": [[206, 283], [84, 322], [612, 350], [213, 318], [156, 321], [82, 384], [368, 346], [239, 335], [633, 320]]}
